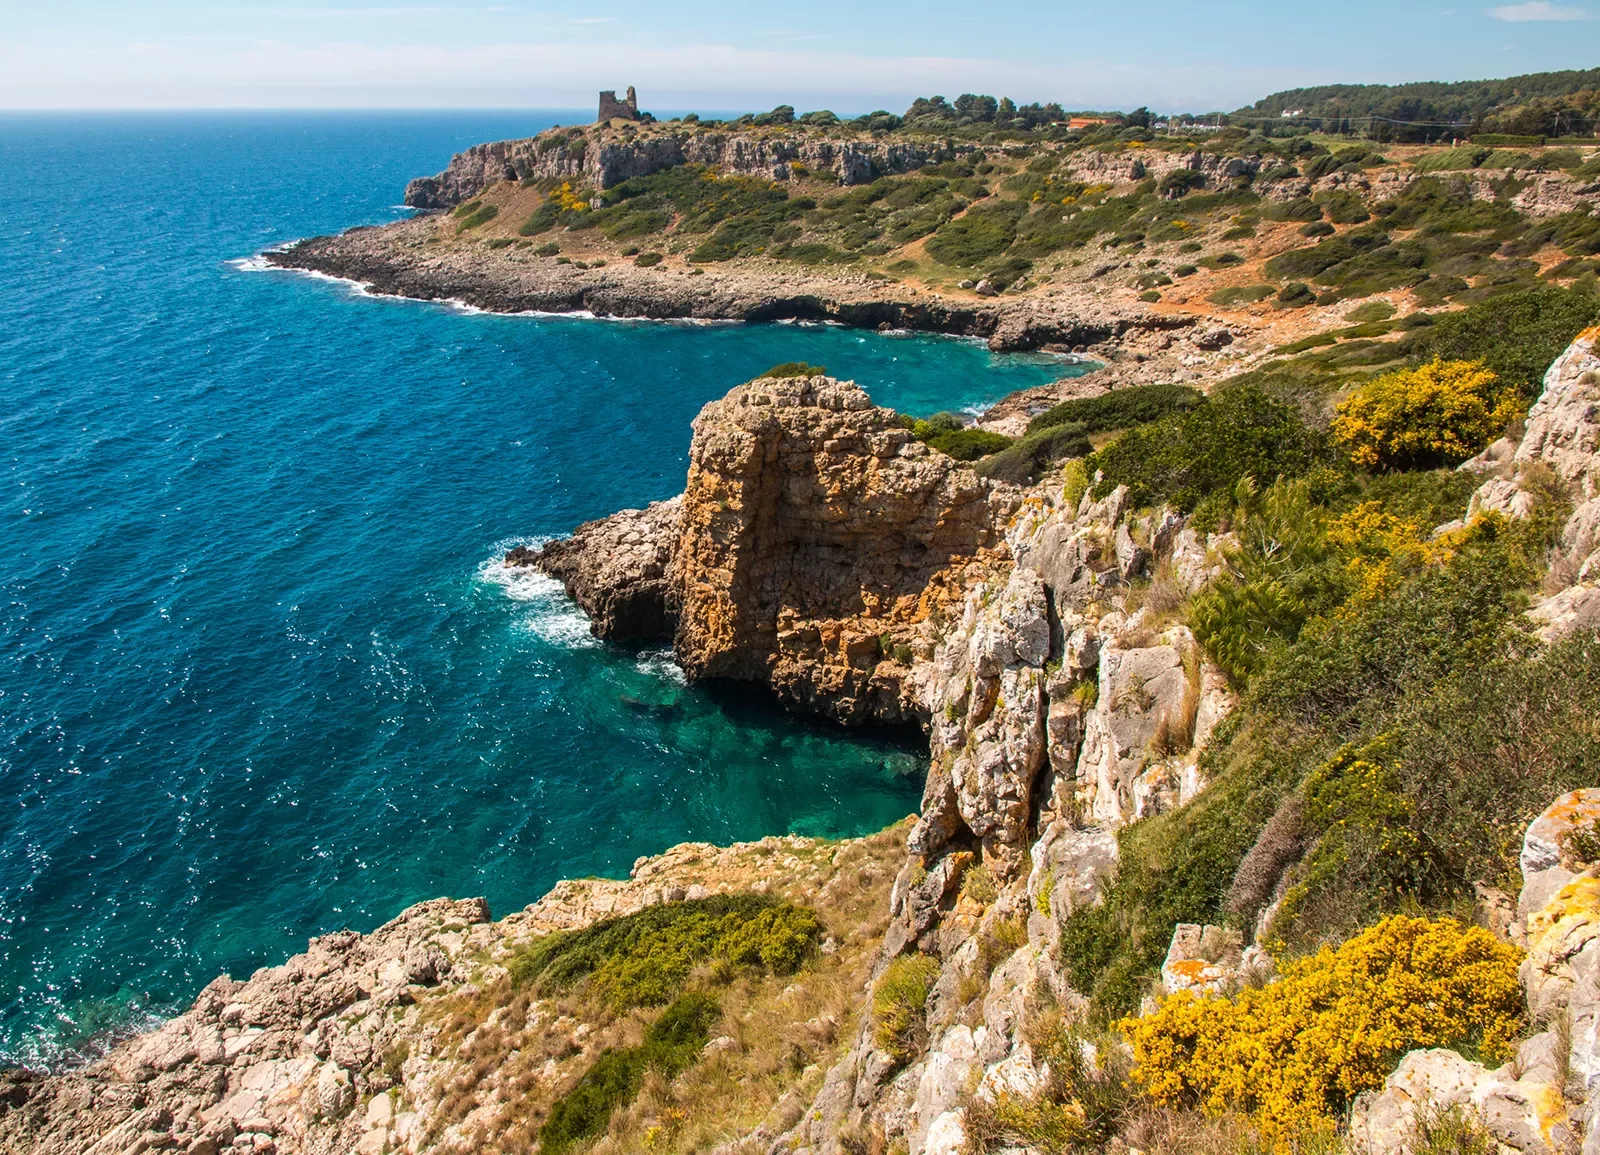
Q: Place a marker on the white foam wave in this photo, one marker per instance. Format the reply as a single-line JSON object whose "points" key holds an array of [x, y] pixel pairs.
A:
{"points": [[545, 611], [661, 664], [255, 264]]}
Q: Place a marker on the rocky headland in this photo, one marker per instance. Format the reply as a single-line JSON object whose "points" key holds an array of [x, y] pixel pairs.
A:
{"points": [[821, 551]]}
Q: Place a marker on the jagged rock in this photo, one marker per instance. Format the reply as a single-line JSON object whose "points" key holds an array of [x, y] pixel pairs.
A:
{"points": [[1145, 698], [947, 1135], [1559, 443], [946, 1073], [1524, 1115], [616, 570]]}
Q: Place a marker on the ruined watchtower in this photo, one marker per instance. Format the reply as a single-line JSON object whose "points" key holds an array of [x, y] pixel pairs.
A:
{"points": [[611, 107]]}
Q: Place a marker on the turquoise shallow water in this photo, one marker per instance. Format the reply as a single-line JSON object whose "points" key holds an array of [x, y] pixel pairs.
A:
{"points": [[261, 674]]}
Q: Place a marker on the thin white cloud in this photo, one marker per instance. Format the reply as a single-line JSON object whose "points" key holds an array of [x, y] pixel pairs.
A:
{"points": [[1536, 11], [593, 20], [334, 74]]}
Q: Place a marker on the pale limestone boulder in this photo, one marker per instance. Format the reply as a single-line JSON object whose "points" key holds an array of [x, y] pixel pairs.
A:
{"points": [[948, 1073], [1143, 693], [1566, 612], [1015, 1076], [946, 1136]]}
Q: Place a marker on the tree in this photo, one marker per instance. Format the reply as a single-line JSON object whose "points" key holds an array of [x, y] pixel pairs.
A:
{"points": [[1138, 118], [971, 107]]}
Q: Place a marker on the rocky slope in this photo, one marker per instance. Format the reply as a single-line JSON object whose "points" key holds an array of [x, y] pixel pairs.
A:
{"points": [[411, 1038], [400, 260], [1056, 713]]}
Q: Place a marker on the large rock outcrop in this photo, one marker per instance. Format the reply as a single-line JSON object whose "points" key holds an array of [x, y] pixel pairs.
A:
{"points": [[814, 538], [1546, 1101], [602, 156], [1556, 459]]}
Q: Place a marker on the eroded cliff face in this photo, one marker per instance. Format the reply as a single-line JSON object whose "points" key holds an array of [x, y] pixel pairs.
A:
{"points": [[602, 156], [1556, 463], [813, 525], [813, 545]]}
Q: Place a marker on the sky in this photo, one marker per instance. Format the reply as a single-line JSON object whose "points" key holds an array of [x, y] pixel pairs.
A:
{"points": [[721, 55]]}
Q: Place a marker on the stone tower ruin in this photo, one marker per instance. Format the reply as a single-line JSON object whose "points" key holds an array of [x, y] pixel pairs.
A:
{"points": [[611, 107]]}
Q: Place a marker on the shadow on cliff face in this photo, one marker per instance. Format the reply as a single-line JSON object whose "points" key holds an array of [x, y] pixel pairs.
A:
{"points": [[754, 704]]}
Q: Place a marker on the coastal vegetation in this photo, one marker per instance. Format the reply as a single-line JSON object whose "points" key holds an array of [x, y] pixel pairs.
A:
{"points": [[1294, 1053]]}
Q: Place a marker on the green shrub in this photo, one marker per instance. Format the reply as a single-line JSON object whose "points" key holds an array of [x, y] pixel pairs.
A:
{"points": [[978, 885], [1317, 229], [795, 369], [1303, 209], [1024, 462], [985, 231], [1241, 295], [1295, 295], [541, 220], [1516, 335], [647, 260], [1379, 310], [643, 959], [897, 1004], [1119, 408], [1238, 432], [671, 1045], [480, 214], [967, 444], [1345, 207]]}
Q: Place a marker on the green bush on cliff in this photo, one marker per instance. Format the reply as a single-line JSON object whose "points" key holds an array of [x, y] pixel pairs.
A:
{"points": [[897, 1004], [795, 369], [1238, 432], [1025, 462], [480, 214], [967, 444], [644, 959], [1120, 408], [1516, 335], [671, 1045]]}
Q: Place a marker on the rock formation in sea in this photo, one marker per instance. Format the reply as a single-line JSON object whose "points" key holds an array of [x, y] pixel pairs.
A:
{"points": [[819, 551], [814, 546]]}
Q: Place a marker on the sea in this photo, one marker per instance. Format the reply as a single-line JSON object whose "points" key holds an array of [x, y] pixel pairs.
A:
{"points": [[262, 673]]}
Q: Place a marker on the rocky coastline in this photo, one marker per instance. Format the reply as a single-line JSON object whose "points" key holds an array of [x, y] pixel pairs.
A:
{"points": [[821, 552], [396, 260]]}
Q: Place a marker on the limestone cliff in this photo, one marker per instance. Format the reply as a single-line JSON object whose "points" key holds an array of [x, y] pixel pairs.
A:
{"points": [[1556, 462], [601, 156], [813, 540], [822, 552]]}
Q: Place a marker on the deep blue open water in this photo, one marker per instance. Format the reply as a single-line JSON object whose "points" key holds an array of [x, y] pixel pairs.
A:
{"points": [[261, 675]]}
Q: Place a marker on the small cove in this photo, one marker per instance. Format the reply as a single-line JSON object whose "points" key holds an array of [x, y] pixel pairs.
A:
{"points": [[264, 676]]}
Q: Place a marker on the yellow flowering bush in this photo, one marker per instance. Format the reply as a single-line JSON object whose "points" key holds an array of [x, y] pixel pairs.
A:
{"points": [[1295, 1052], [1437, 414], [570, 200]]}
